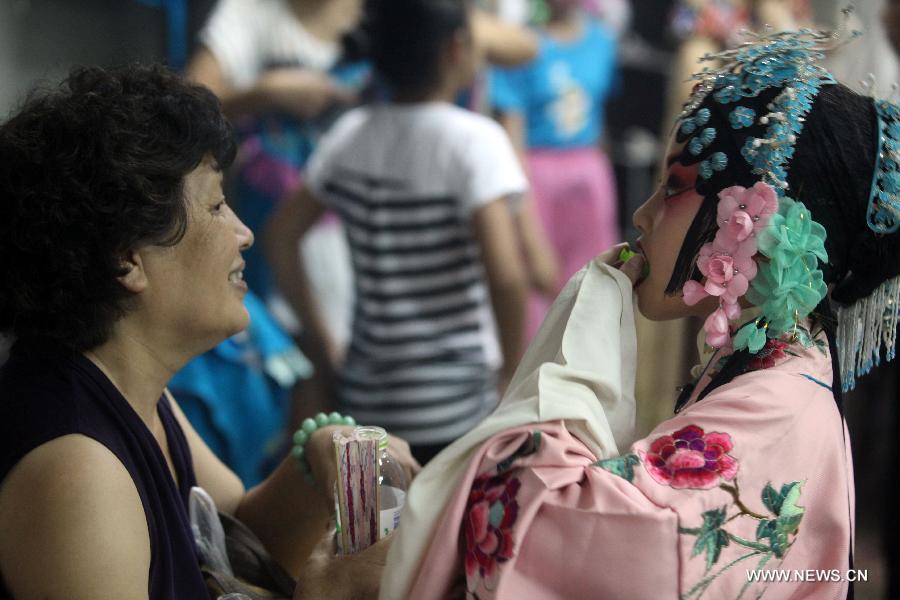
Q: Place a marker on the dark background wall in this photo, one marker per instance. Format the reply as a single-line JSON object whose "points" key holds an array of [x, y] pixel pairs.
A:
{"points": [[43, 39]]}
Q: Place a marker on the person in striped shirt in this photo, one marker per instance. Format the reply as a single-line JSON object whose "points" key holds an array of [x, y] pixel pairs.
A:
{"points": [[428, 194]]}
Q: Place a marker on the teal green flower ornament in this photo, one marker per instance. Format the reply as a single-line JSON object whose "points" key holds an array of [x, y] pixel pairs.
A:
{"points": [[751, 336], [791, 233], [790, 285], [788, 294]]}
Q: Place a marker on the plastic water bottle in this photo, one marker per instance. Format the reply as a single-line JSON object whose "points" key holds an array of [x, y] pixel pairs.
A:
{"points": [[392, 483]]}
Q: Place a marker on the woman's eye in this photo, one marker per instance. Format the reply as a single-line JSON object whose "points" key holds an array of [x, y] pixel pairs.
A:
{"points": [[218, 207], [675, 186]]}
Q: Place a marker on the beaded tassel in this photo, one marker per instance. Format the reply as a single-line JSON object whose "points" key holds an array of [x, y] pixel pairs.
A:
{"points": [[864, 327]]}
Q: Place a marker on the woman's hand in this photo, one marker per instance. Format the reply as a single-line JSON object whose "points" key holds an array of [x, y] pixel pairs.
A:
{"points": [[352, 576], [323, 464], [632, 268], [303, 92], [399, 449], [319, 451]]}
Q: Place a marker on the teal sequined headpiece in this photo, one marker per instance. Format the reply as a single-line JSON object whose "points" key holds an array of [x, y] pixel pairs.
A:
{"points": [[789, 285], [785, 60]]}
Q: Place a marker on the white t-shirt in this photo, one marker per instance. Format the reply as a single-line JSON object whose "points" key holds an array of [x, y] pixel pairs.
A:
{"points": [[249, 36], [406, 180]]}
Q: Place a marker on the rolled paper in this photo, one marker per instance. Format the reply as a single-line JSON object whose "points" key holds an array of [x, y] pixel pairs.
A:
{"points": [[357, 491]]}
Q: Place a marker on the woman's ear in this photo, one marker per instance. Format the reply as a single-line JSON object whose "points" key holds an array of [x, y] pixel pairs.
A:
{"points": [[133, 277]]}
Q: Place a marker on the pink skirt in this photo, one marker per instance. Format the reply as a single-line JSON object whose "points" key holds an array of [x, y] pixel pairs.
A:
{"points": [[574, 193]]}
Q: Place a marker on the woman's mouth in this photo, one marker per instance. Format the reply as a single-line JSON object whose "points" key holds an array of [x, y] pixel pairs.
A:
{"points": [[645, 271], [236, 278]]}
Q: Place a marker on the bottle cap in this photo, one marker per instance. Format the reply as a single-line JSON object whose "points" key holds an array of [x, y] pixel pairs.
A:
{"points": [[371, 432]]}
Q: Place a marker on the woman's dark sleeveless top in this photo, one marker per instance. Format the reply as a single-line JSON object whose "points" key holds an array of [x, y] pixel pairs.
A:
{"points": [[46, 397]]}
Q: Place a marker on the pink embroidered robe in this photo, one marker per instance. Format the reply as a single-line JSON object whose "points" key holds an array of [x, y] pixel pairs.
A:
{"points": [[755, 480]]}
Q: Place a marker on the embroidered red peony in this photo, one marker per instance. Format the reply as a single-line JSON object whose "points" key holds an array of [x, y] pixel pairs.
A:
{"points": [[772, 351], [490, 514], [690, 458]]}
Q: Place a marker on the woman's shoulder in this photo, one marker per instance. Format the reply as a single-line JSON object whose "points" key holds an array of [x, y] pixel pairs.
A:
{"points": [[70, 507], [466, 127], [351, 123], [38, 387], [787, 391], [43, 398], [796, 366]]}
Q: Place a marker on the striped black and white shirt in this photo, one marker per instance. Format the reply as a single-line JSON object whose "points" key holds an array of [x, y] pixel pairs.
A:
{"points": [[407, 180]]}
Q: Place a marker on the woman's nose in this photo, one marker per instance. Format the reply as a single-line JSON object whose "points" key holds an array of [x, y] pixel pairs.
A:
{"points": [[245, 235], [641, 218]]}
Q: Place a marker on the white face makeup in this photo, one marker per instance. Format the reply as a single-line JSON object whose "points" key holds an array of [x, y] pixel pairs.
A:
{"points": [[663, 220]]}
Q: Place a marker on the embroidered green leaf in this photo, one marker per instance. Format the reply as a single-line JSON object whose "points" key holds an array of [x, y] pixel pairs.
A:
{"points": [[803, 336], [623, 466], [765, 528], [788, 516], [789, 524], [791, 493], [711, 538], [779, 543], [791, 514], [772, 499]]}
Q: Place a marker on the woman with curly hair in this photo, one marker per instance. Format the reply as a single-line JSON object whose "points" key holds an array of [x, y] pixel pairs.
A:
{"points": [[120, 261]]}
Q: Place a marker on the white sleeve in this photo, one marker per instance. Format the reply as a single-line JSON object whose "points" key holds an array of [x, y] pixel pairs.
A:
{"points": [[489, 167], [231, 34], [324, 159]]}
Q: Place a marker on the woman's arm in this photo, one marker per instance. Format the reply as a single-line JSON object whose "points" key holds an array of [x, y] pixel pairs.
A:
{"points": [[302, 92], [288, 514], [72, 526], [507, 280], [541, 262], [285, 229], [501, 43]]}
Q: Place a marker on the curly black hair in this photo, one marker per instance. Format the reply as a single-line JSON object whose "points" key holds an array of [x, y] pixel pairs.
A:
{"points": [[89, 171]]}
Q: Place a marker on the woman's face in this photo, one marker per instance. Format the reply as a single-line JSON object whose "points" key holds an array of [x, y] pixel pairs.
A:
{"points": [[663, 220], [195, 288]]}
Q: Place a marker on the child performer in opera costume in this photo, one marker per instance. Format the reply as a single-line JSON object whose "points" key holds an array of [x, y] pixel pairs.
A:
{"points": [[776, 219]]}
